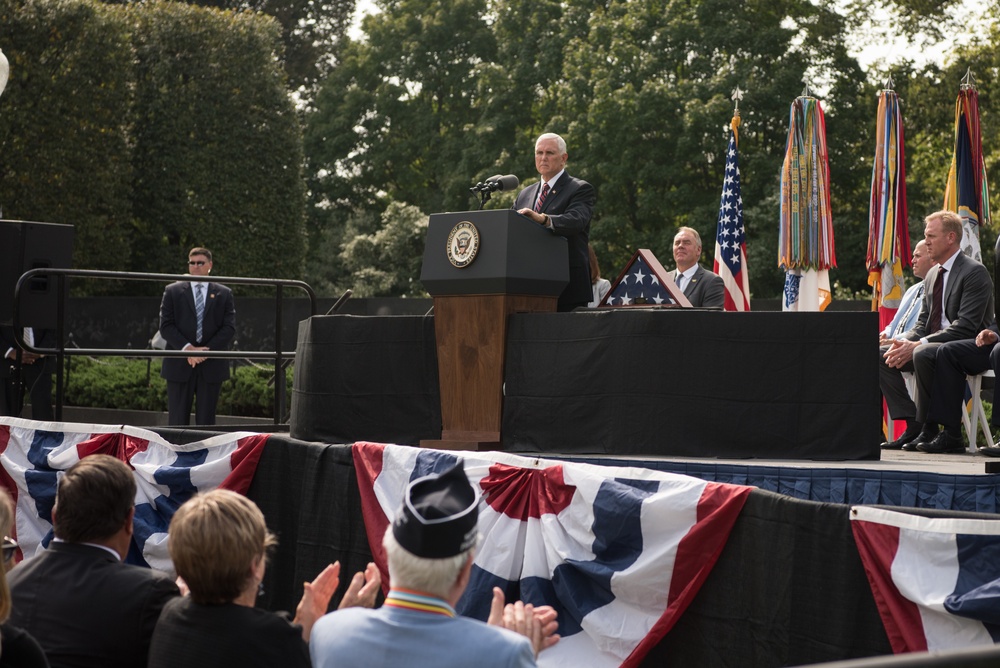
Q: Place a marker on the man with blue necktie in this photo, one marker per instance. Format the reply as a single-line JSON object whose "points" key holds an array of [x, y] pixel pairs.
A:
{"points": [[909, 307], [196, 316]]}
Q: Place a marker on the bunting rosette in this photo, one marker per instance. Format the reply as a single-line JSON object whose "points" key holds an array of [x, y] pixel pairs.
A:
{"points": [[967, 190], [888, 227], [805, 235]]}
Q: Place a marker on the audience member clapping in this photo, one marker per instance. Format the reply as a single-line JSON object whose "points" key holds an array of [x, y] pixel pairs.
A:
{"points": [[218, 543], [430, 549]]}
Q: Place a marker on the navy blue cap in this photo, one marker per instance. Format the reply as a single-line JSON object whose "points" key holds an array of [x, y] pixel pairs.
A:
{"points": [[440, 515]]}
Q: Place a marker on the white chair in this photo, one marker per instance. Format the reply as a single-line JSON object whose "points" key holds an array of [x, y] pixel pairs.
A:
{"points": [[974, 417]]}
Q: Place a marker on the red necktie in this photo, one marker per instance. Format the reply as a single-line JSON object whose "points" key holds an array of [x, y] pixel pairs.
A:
{"points": [[541, 198], [934, 323]]}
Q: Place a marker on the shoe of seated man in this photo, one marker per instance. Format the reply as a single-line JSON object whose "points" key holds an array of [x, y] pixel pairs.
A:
{"points": [[943, 443], [907, 436], [992, 451], [927, 434]]}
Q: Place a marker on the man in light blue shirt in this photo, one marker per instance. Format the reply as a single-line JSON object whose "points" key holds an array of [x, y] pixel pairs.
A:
{"points": [[430, 548], [909, 307]]}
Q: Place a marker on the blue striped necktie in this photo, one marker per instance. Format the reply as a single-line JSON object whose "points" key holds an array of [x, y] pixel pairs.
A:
{"points": [[199, 307]]}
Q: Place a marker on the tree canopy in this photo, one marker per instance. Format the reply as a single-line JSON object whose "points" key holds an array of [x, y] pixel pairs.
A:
{"points": [[152, 128], [439, 95]]}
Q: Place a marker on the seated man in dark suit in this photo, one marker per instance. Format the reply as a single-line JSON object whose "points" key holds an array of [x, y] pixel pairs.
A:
{"points": [[563, 204], [83, 605], [700, 286], [955, 360], [957, 305]]}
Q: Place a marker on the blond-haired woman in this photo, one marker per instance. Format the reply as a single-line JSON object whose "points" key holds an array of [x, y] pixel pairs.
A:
{"points": [[218, 542]]}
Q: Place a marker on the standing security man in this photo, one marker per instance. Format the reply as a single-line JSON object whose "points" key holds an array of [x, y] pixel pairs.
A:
{"points": [[196, 316]]}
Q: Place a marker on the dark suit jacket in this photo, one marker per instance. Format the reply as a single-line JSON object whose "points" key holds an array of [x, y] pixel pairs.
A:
{"points": [[705, 288], [968, 302], [569, 206], [191, 635], [85, 608], [179, 324]]}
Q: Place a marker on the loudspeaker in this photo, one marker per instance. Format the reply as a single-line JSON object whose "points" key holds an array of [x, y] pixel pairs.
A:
{"points": [[28, 245]]}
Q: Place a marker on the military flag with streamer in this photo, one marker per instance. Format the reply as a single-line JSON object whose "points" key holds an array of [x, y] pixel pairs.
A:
{"points": [[967, 190], [888, 226], [805, 233]]}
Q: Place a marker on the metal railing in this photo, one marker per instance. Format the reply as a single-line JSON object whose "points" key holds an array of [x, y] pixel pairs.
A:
{"points": [[60, 352]]}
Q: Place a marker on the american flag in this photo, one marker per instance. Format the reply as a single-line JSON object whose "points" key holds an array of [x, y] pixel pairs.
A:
{"points": [[33, 456], [619, 552], [730, 240], [642, 282]]}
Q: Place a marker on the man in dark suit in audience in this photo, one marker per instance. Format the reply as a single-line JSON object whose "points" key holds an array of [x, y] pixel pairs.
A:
{"points": [[563, 204], [957, 306], [196, 316], [83, 605]]}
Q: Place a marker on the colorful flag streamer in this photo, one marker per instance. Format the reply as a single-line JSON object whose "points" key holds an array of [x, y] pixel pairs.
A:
{"points": [[967, 190], [805, 234], [730, 238], [888, 226]]}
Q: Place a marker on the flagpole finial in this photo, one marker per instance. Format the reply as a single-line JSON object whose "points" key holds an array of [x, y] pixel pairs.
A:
{"points": [[736, 97], [968, 81], [888, 84], [806, 92]]}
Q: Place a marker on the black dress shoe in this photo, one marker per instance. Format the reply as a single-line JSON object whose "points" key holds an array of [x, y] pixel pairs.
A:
{"points": [[942, 443], [991, 452], [900, 443], [925, 436]]}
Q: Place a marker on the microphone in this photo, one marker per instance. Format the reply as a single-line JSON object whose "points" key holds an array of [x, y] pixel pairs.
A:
{"points": [[508, 182], [484, 186]]}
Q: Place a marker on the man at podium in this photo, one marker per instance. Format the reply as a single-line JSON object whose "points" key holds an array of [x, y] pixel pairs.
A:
{"points": [[563, 204]]}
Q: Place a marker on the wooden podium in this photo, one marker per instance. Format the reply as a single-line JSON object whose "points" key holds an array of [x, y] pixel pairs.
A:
{"points": [[481, 266]]}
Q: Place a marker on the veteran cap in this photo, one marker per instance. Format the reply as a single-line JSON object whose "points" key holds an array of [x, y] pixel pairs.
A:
{"points": [[440, 515]]}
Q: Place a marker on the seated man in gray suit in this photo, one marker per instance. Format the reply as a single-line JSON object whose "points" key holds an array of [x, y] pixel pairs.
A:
{"points": [[700, 286], [79, 601], [430, 547]]}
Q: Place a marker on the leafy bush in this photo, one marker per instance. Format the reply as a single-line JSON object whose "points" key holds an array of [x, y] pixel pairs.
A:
{"points": [[135, 384]]}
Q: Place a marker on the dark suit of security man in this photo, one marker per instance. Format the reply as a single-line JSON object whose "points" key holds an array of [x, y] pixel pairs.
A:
{"points": [[563, 204], [196, 378]]}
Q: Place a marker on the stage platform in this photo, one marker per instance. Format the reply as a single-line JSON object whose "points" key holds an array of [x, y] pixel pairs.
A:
{"points": [[955, 482], [611, 382]]}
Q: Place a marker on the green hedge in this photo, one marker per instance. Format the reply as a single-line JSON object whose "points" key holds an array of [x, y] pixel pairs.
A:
{"points": [[152, 127], [135, 384]]}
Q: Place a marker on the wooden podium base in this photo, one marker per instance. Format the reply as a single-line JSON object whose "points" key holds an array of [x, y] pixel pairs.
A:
{"points": [[471, 336]]}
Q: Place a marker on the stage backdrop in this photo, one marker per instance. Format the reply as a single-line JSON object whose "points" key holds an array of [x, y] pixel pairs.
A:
{"points": [[693, 383], [675, 382]]}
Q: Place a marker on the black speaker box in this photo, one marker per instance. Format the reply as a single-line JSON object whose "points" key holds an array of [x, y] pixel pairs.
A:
{"points": [[27, 245]]}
